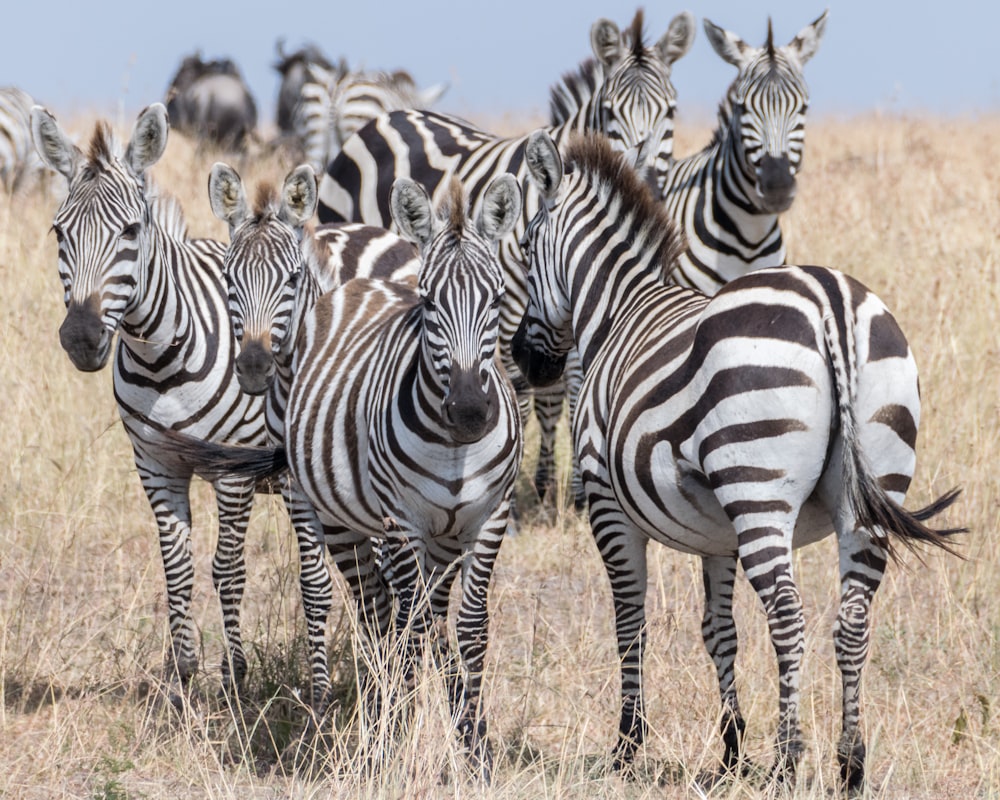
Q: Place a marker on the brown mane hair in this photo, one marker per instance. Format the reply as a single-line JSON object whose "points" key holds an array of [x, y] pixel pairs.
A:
{"points": [[456, 207], [635, 32], [612, 176], [265, 199]]}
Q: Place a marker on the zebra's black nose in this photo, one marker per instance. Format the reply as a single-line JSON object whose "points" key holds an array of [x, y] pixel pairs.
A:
{"points": [[84, 338], [537, 364], [775, 183], [469, 412], [255, 367]]}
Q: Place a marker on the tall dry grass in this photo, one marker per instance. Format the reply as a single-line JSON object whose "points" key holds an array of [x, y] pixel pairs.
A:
{"points": [[909, 206]]}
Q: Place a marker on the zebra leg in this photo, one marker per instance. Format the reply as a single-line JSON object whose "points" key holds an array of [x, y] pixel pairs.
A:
{"points": [[480, 549], [573, 377], [316, 586], [862, 564], [623, 550], [168, 497], [765, 554], [353, 555], [719, 633], [548, 405], [234, 498]]}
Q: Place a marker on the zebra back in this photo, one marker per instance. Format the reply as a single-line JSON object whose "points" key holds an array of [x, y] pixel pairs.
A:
{"points": [[728, 197], [333, 105]]}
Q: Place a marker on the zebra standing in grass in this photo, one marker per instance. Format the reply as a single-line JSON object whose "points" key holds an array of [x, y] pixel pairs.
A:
{"points": [[727, 197], [634, 102], [734, 428], [275, 269], [128, 267], [402, 425], [19, 163], [333, 105]]}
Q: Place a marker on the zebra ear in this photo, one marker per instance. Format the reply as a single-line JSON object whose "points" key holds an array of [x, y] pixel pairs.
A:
{"points": [[678, 38], [299, 196], [149, 138], [411, 210], [501, 207], [544, 163], [806, 43], [429, 96], [606, 41], [54, 147], [226, 195], [730, 47]]}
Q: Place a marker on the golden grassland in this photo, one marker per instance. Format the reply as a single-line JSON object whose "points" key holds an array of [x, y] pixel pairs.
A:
{"points": [[908, 205]]}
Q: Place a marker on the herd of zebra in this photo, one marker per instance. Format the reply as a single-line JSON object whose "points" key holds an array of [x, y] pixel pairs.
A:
{"points": [[380, 367]]}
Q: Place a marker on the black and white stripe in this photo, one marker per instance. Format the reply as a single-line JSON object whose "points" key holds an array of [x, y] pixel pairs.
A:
{"points": [[634, 103], [401, 425], [275, 269], [128, 267], [734, 428], [19, 163], [728, 197], [333, 105]]}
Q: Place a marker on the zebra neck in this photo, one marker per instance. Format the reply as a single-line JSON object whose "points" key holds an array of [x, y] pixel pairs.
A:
{"points": [[601, 291], [179, 275], [307, 292]]}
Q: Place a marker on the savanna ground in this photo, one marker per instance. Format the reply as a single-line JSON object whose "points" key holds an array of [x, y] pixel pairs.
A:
{"points": [[908, 205]]}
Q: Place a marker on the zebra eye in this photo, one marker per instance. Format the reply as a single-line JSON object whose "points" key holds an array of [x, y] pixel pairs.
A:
{"points": [[58, 232], [131, 232], [497, 301]]}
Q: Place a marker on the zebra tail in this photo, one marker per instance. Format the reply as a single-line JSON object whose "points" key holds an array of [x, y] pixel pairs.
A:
{"points": [[873, 509], [215, 460]]}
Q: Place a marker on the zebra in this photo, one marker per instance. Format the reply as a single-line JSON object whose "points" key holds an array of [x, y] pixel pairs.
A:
{"points": [[635, 102], [334, 104], [275, 269], [727, 198], [734, 428], [402, 425], [19, 163], [210, 101], [293, 70], [128, 267]]}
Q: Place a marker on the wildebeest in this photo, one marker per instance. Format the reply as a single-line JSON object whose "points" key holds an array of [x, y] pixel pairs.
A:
{"points": [[210, 101]]}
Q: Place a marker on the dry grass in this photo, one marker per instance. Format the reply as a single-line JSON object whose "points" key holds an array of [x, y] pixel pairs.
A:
{"points": [[909, 206]]}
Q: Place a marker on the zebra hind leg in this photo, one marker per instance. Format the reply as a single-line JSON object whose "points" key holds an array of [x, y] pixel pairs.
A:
{"points": [[234, 498], [719, 634], [862, 567], [548, 405]]}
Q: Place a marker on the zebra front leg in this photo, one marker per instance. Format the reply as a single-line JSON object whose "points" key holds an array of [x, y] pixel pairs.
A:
{"points": [[234, 498], [719, 634], [862, 565], [480, 550], [765, 554], [172, 509], [316, 586], [623, 550], [548, 405]]}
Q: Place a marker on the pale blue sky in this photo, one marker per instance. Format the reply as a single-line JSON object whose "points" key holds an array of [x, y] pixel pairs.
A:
{"points": [[498, 57]]}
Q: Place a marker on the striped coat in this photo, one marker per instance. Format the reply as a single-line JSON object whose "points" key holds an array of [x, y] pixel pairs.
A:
{"points": [[735, 428]]}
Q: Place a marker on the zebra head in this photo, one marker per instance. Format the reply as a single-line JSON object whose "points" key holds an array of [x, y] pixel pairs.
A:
{"points": [[104, 227], [636, 99], [544, 337], [764, 112], [461, 286], [262, 265]]}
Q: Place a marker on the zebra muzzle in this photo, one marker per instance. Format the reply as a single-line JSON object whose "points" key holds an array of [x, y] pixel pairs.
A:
{"points": [[84, 338], [255, 368], [775, 183], [537, 364], [468, 412]]}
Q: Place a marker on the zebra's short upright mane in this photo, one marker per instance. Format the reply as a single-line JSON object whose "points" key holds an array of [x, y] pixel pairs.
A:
{"points": [[103, 149], [615, 181], [455, 208], [266, 200], [635, 35]]}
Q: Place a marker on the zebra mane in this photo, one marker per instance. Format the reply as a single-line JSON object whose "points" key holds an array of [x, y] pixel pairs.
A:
{"points": [[266, 199], [635, 34], [616, 182], [453, 209], [102, 150]]}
